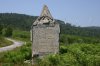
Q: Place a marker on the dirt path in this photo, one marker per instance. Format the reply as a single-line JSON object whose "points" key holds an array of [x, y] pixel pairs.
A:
{"points": [[13, 46]]}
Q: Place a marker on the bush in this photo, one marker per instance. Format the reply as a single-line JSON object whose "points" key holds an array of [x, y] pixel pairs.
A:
{"points": [[7, 31], [1, 27], [50, 60], [63, 49], [19, 55], [85, 54], [21, 35]]}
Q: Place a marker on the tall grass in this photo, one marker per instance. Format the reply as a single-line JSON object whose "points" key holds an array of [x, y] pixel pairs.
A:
{"points": [[4, 42], [21, 35]]}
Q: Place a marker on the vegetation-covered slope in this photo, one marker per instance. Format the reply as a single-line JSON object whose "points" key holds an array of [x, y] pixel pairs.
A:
{"points": [[24, 22], [79, 46], [74, 51], [19, 21]]}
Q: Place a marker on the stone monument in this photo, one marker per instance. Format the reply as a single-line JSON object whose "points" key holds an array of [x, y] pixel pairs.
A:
{"points": [[45, 35]]}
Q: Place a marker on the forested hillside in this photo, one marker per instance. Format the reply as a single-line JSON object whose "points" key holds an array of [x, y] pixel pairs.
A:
{"points": [[79, 46], [24, 22]]}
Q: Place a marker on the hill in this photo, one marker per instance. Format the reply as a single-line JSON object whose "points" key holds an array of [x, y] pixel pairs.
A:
{"points": [[20, 21], [24, 22], [79, 46]]}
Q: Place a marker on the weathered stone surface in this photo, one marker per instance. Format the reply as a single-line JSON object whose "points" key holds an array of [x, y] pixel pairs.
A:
{"points": [[45, 34]]}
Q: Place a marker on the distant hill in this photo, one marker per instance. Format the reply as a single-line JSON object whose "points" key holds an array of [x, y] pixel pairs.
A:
{"points": [[82, 31], [20, 21], [24, 22], [92, 27]]}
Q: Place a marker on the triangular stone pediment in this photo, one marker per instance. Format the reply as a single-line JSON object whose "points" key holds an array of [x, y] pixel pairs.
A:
{"points": [[45, 17], [46, 12]]}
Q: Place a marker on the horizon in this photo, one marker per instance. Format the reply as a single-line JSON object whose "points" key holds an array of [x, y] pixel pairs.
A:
{"points": [[79, 13]]}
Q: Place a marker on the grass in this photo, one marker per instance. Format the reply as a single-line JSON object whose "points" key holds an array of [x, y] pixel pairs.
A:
{"points": [[15, 64], [21, 35], [4, 42], [19, 54], [16, 56]]}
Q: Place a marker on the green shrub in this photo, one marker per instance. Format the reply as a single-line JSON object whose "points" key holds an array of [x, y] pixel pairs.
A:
{"points": [[1, 28], [21, 35], [7, 31], [19, 55], [63, 49]]}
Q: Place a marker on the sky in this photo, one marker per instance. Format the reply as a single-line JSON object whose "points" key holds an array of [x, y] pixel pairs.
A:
{"points": [[77, 12]]}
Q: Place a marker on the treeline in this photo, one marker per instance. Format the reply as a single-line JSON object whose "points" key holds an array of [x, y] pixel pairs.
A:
{"points": [[24, 22], [80, 31], [17, 21]]}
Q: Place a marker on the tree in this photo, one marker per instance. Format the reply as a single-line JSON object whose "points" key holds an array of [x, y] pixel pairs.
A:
{"points": [[8, 31], [1, 27]]}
